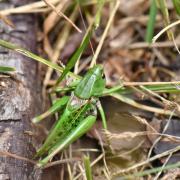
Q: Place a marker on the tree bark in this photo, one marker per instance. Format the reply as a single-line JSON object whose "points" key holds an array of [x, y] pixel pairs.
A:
{"points": [[19, 97]]}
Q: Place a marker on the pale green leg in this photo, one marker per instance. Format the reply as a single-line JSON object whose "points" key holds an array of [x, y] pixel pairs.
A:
{"points": [[103, 117], [58, 105]]}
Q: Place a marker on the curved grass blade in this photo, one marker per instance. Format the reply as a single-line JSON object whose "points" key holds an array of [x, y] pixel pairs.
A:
{"points": [[76, 55], [5, 69], [164, 10], [33, 56], [158, 88]]}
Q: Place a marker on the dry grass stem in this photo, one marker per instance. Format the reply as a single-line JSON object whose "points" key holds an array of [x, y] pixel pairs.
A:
{"points": [[29, 8], [93, 62], [175, 44], [139, 45], [159, 138], [59, 44], [62, 14], [165, 29], [5, 153], [160, 172], [103, 151], [149, 83], [166, 153], [141, 106], [168, 104]]}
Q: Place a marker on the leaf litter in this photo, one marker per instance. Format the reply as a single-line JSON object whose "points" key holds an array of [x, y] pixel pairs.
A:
{"points": [[123, 149]]}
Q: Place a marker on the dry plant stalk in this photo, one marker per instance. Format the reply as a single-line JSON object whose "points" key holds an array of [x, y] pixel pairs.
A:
{"points": [[39, 6], [166, 153], [61, 14], [59, 44]]}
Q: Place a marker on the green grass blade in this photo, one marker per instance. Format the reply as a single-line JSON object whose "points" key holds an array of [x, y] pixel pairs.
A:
{"points": [[163, 7], [29, 54], [87, 166], [158, 88], [168, 88], [100, 5], [151, 22], [103, 117], [76, 56], [177, 6], [5, 69], [33, 56]]}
